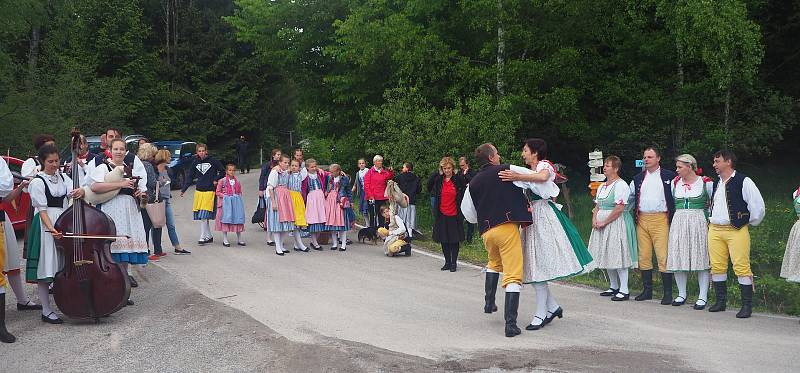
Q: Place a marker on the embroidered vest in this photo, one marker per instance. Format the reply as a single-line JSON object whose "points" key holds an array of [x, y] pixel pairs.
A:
{"points": [[738, 213], [497, 202], [666, 177]]}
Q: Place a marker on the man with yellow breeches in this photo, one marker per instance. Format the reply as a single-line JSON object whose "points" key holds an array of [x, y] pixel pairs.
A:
{"points": [[654, 207], [499, 209], [735, 205]]}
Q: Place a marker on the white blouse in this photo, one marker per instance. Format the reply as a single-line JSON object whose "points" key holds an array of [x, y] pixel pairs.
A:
{"points": [[6, 179], [100, 171], [683, 190], [750, 194], [545, 189], [622, 191], [57, 189]]}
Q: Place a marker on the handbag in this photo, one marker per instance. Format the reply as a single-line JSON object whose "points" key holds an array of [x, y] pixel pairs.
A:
{"points": [[157, 211], [261, 210]]}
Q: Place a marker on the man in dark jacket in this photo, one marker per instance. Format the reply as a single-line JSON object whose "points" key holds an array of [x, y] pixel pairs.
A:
{"points": [[241, 154], [409, 184], [468, 173]]}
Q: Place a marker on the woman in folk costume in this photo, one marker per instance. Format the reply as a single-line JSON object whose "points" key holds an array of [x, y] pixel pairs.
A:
{"points": [[50, 191], [280, 211], [208, 171], [123, 208], [13, 253], [230, 207], [339, 215], [790, 270], [688, 232], [552, 247], [613, 243], [314, 185], [295, 185], [33, 165]]}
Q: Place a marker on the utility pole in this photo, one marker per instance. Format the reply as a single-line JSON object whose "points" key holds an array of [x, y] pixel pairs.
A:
{"points": [[291, 143]]}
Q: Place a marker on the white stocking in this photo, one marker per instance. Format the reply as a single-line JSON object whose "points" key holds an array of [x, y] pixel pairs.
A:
{"points": [[239, 237], [719, 277], [613, 279], [278, 237], [298, 239], [541, 303], [44, 297], [552, 305], [334, 240], [681, 278], [15, 280], [623, 280], [225, 238], [343, 238], [702, 281], [208, 229], [315, 239]]}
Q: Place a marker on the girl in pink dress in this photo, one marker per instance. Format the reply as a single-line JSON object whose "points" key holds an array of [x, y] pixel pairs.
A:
{"points": [[230, 207], [313, 185], [280, 212]]}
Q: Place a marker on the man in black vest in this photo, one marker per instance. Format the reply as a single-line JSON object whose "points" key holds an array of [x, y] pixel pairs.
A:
{"points": [[654, 207], [499, 209], [735, 205]]}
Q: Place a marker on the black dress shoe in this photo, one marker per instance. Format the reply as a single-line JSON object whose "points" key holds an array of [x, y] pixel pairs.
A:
{"points": [[609, 292], [535, 327], [182, 251], [699, 306], [279, 253], [55, 321], [270, 243], [619, 297], [318, 248], [678, 303], [334, 248], [129, 302], [559, 312], [445, 267], [226, 244], [342, 249], [453, 268], [210, 240], [241, 244], [27, 306], [134, 284]]}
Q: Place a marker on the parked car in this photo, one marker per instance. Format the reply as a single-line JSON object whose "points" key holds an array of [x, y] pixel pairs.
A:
{"points": [[183, 153], [17, 209]]}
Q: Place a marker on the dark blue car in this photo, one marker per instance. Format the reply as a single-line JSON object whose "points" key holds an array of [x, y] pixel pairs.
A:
{"points": [[183, 152]]}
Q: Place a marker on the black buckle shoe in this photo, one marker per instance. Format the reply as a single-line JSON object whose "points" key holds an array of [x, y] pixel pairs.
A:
{"points": [[55, 321], [619, 297], [678, 303], [532, 326], [609, 293], [28, 306], [559, 312]]}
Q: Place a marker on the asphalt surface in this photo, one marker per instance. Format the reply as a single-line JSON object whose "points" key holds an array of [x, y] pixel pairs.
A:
{"points": [[243, 309]]}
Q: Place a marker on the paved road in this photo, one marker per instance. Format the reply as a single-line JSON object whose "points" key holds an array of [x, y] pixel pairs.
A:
{"points": [[246, 309]]}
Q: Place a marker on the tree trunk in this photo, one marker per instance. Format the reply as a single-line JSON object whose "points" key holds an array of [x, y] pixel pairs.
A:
{"points": [[726, 117], [167, 6], [501, 47], [681, 120], [175, 32], [33, 55]]}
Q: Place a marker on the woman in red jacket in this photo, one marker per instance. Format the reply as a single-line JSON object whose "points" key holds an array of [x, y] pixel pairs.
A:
{"points": [[374, 188]]}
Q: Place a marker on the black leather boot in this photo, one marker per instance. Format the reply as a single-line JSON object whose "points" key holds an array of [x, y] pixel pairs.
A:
{"points": [[512, 304], [406, 249], [446, 254], [491, 290], [721, 292], [454, 257], [747, 302], [666, 283], [5, 336], [647, 284]]}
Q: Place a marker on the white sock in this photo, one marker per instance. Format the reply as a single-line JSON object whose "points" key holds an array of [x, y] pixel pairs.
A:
{"points": [[343, 237], [513, 288], [552, 305], [335, 239], [225, 238], [278, 242], [15, 280], [314, 239], [298, 239], [719, 277], [623, 280], [239, 237], [44, 297], [208, 229], [702, 281], [541, 303], [613, 279], [745, 280], [681, 278]]}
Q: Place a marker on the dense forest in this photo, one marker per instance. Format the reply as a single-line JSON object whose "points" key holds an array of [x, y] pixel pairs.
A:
{"points": [[414, 79]]}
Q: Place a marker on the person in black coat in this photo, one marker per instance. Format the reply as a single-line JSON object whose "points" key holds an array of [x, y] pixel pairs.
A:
{"points": [[242, 147], [410, 185], [468, 173], [448, 228]]}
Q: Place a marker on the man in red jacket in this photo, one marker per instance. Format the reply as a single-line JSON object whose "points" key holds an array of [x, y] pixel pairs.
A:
{"points": [[374, 188]]}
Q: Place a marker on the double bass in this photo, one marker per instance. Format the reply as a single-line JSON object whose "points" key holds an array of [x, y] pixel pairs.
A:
{"points": [[91, 284]]}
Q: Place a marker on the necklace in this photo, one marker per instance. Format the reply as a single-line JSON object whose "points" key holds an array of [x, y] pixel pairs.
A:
{"points": [[53, 178]]}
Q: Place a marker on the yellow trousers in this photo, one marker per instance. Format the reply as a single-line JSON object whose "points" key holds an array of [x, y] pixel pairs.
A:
{"points": [[504, 246], [652, 232], [392, 246], [2, 253], [725, 241]]}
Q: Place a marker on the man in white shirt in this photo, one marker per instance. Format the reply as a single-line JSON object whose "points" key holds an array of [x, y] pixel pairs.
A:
{"points": [[735, 205], [654, 206]]}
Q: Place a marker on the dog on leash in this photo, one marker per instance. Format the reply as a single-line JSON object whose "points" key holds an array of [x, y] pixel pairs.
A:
{"points": [[368, 233]]}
